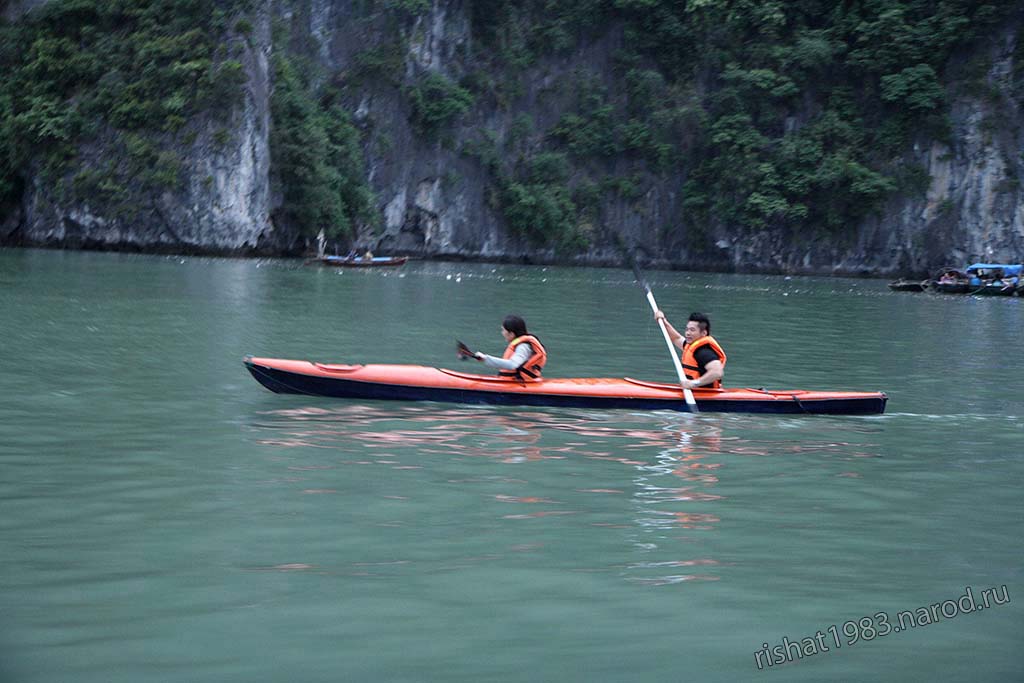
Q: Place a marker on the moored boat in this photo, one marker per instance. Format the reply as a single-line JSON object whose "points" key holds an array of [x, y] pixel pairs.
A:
{"points": [[421, 383], [979, 279], [950, 280], [359, 261], [902, 285], [951, 288], [995, 289], [994, 279]]}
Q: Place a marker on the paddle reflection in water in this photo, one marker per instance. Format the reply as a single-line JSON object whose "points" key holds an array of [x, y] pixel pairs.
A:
{"points": [[702, 481], [653, 491], [665, 492]]}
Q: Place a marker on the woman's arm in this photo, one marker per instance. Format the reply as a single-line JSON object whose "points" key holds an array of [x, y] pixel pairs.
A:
{"points": [[521, 355]]}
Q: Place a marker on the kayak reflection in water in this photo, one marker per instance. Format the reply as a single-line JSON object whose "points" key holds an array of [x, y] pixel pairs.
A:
{"points": [[524, 357]]}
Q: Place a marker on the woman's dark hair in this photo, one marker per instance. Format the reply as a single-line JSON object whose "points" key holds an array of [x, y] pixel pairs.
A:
{"points": [[515, 325]]}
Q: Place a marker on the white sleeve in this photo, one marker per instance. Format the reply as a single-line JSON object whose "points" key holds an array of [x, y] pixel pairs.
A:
{"points": [[519, 356]]}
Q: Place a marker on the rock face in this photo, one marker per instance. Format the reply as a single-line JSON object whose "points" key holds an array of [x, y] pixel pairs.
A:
{"points": [[974, 206], [222, 204], [436, 200], [12, 10]]}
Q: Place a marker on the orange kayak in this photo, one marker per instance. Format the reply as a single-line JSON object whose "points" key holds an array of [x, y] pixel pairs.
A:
{"points": [[421, 383]]}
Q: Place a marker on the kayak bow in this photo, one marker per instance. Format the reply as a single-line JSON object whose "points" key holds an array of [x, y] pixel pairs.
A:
{"points": [[421, 383]]}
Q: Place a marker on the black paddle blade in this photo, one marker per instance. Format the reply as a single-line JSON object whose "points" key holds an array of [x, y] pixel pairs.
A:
{"points": [[462, 351], [637, 274]]}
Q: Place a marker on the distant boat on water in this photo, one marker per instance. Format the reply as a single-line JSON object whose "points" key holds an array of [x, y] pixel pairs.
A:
{"points": [[902, 285], [359, 261], [977, 279]]}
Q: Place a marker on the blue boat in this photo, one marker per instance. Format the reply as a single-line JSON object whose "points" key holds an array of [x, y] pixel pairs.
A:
{"points": [[977, 279], [994, 279], [359, 261]]}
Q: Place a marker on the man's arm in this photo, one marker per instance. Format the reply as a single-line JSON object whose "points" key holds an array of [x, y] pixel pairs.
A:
{"points": [[714, 368], [713, 372], [677, 339]]}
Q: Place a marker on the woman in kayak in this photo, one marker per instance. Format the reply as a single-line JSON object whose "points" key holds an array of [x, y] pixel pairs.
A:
{"points": [[524, 357]]}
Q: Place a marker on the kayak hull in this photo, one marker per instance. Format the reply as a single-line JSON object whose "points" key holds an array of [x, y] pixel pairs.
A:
{"points": [[360, 262], [419, 383]]}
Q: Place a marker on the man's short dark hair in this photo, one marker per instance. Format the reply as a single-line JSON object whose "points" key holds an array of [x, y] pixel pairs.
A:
{"points": [[702, 322]]}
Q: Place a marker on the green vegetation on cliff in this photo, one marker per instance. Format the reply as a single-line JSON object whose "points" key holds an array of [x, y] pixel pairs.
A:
{"points": [[141, 79], [317, 158], [132, 72], [755, 114], [794, 114]]}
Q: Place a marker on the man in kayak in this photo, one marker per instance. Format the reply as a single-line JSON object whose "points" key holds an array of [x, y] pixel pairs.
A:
{"points": [[703, 358], [524, 357]]}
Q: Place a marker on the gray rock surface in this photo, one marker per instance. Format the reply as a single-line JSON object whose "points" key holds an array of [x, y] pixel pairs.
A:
{"points": [[436, 200]]}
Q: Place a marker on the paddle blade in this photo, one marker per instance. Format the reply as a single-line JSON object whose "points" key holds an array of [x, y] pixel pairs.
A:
{"points": [[462, 351], [638, 275]]}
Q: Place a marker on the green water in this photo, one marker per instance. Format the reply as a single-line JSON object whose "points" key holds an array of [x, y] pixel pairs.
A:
{"points": [[165, 518]]}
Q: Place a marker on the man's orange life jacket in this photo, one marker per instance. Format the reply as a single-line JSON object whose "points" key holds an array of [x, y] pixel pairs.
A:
{"points": [[690, 368], [533, 365]]}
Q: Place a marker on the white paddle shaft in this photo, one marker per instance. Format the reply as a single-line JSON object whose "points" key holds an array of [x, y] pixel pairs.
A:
{"points": [[687, 394]]}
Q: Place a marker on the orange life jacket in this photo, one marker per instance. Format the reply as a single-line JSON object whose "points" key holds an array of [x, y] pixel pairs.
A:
{"points": [[690, 367], [533, 365]]}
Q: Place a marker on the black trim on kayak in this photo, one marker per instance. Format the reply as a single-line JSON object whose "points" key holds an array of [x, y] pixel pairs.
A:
{"points": [[283, 382]]}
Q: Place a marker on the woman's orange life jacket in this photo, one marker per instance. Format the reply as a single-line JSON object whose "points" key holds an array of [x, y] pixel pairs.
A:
{"points": [[690, 367], [533, 365]]}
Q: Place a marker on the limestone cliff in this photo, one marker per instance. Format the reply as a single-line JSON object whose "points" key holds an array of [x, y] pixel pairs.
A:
{"points": [[222, 203], [436, 202], [436, 195]]}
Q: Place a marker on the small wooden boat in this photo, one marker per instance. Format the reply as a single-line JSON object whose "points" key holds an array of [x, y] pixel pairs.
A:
{"points": [[421, 383], [902, 285], [957, 287], [949, 280], [359, 261], [979, 279]]}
